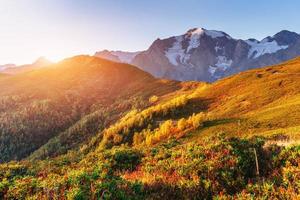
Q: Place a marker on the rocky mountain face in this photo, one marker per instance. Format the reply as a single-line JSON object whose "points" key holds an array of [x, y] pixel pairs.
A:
{"points": [[208, 55]]}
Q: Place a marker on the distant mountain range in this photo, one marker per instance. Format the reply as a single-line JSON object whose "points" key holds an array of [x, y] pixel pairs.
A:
{"points": [[6, 66], [208, 55], [14, 69], [117, 56]]}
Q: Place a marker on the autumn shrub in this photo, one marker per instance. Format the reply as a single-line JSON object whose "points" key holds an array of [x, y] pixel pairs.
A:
{"points": [[114, 187], [206, 169], [172, 129], [25, 186], [244, 150], [76, 194], [4, 184], [217, 167], [280, 183], [135, 121], [126, 159], [153, 99]]}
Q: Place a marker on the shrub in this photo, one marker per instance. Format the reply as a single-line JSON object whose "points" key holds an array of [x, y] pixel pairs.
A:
{"points": [[153, 99], [126, 159]]}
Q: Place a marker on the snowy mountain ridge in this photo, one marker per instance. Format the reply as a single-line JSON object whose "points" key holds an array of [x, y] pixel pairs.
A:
{"points": [[208, 55]]}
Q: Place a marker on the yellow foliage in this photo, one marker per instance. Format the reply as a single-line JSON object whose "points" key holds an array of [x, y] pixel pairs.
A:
{"points": [[136, 119], [165, 127], [153, 99], [117, 138], [138, 139], [181, 124], [149, 140], [196, 120]]}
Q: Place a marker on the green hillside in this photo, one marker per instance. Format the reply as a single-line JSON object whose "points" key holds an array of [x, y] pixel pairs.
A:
{"points": [[88, 128]]}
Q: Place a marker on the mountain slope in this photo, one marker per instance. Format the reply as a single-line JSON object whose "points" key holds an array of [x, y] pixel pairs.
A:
{"points": [[39, 105], [256, 101], [255, 104], [208, 55], [234, 138], [237, 138]]}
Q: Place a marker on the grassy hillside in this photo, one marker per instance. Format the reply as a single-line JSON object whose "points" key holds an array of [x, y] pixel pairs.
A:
{"points": [[78, 95], [151, 139], [243, 105]]}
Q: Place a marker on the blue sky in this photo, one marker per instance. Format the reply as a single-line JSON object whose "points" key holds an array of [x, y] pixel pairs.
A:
{"points": [[62, 28]]}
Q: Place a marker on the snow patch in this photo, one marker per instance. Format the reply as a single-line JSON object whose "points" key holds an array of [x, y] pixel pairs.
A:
{"points": [[196, 34], [214, 34], [264, 47], [195, 39], [218, 48], [223, 63], [212, 70], [176, 52], [198, 31]]}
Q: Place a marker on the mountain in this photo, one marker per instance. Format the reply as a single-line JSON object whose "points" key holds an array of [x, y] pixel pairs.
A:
{"points": [[89, 128], [208, 55], [13, 69], [7, 66], [80, 93], [117, 56]]}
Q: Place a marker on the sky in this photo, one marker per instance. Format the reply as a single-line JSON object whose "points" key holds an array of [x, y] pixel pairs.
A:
{"points": [[58, 29]]}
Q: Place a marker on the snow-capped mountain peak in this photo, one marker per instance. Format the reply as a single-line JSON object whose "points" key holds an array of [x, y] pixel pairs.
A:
{"points": [[207, 55], [183, 48], [198, 32]]}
